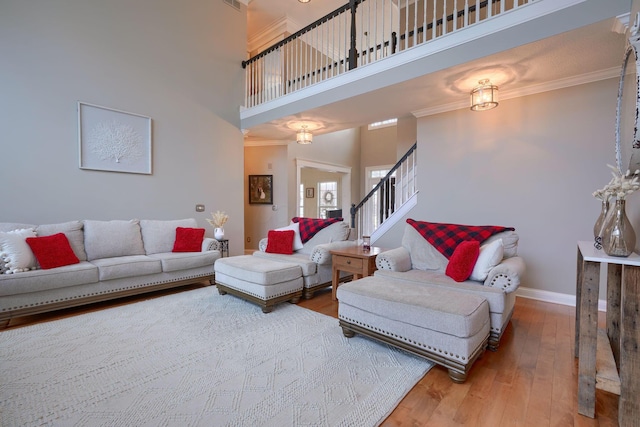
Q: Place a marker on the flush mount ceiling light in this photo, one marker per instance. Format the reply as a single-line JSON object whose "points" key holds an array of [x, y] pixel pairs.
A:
{"points": [[304, 136], [484, 96], [304, 1]]}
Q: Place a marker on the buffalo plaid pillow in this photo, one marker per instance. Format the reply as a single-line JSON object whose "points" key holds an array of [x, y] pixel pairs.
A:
{"points": [[310, 226], [445, 237]]}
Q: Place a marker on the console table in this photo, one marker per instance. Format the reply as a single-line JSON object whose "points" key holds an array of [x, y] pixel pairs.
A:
{"points": [[611, 361]]}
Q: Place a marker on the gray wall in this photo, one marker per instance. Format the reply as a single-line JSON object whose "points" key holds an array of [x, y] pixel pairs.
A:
{"points": [[176, 62], [532, 163]]}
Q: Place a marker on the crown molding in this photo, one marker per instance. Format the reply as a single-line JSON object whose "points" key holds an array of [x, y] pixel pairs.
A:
{"points": [[621, 23], [272, 34], [265, 142], [581, 79]]}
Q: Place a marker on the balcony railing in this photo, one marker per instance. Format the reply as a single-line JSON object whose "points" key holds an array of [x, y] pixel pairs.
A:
{"points": [[356, 34]]}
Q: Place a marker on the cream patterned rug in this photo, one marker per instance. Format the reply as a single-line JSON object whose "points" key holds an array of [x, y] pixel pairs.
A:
{"points": [[197, 358]]}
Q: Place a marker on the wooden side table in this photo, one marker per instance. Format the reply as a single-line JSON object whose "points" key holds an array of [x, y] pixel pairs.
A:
{"points": [[619, 345], [353, 260]]}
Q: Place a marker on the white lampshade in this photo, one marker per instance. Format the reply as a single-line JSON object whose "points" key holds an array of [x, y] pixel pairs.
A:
{"points": [[484, 96], [304, 136]]}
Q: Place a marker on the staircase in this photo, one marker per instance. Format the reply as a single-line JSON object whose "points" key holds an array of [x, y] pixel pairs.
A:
{"points": [[389, 200]]}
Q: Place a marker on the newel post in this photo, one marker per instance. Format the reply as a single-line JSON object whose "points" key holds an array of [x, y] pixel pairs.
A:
{"points": [[353, 52]]}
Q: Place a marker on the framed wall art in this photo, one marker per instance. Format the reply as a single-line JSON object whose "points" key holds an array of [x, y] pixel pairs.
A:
{"points": [[113, 140], [261, 189], [309, 192]]}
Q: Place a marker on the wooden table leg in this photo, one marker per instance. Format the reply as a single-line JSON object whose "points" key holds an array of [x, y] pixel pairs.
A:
{"points": [[335, 280], [614, 298], [629, 403], [588, 327], [578, 299]]}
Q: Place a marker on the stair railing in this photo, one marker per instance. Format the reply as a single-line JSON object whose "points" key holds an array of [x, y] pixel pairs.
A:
{"points": [[398, 186], [356, 34]]}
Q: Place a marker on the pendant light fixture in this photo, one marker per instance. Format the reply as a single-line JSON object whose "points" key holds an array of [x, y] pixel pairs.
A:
{"points": [[304, 136], [484, 96]]}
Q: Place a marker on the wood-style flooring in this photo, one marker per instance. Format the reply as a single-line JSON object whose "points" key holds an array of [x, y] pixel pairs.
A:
{"points": [[530, 381]]}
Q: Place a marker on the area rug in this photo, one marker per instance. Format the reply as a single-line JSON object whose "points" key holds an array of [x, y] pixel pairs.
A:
{"points": [[197, 358]]}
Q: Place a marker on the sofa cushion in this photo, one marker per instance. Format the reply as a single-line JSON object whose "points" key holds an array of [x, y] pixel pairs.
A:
{"points": [[309, 227], [71, 229], [433, 308], [423, 255], [175, 261], [105, 239], [15, 252], [126, 266], [52, 251], [188, 239], [462, 261], [44, 280], [336, 232], [159, 236], [280, 242], [490, 256], [297, 241], [495, 296], [309, 268], [10, 226]]}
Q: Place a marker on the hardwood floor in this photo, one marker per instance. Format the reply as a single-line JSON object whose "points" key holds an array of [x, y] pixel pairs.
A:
{"points": [[530, 381]]}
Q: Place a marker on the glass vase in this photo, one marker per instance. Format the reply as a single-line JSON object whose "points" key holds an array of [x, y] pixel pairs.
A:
{"points": [[597, 228], [618, 236]]}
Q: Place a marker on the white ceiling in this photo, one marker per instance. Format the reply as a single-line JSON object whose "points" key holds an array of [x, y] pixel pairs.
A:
{"points": [[592, 52]]}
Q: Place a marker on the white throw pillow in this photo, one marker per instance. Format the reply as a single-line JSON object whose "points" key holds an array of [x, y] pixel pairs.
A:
{"points": [[15, 252], [297, 241], [490, 255]]}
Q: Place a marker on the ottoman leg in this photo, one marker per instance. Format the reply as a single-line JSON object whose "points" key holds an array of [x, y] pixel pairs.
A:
{"points": [[457, 377], [222, 292], [348, 332], [267, 309], [294, 300]]}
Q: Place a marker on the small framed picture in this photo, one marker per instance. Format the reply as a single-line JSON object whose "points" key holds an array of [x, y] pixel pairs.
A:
{"points": [[309, 193], [261, 189]]}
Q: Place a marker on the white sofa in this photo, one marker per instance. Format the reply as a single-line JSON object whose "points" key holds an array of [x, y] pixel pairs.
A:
{"points": [[116, 259], [419, 262], [314, 257]]}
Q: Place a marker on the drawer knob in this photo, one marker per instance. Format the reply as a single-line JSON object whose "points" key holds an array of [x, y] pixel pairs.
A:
{"points": [[349, 261]]}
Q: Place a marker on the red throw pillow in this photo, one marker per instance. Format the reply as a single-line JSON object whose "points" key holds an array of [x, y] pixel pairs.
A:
{"points": [[52, 251], [462, 260], [188, 239], [280, 242]]}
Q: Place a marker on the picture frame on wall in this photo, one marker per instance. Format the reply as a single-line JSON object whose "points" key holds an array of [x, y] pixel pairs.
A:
{"points": [[309, 192], [113, 140], [261, 189]]}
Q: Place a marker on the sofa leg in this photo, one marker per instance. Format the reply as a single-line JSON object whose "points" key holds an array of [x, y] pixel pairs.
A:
{"points": [[267, 309], [294, 300], [222, 292], [457, 377], [308, 294], [4, 323], [348, 332]]}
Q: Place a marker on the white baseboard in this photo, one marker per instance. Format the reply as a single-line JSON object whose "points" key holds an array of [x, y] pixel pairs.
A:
{"points": [[554, 297]]}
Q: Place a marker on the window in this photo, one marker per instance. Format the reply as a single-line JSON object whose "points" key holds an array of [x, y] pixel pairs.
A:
{"points": [[301, 198], [327, 197], [382, 124]]}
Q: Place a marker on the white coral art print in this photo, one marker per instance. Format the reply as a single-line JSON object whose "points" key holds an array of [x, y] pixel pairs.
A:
{"points": [[113, 140]]}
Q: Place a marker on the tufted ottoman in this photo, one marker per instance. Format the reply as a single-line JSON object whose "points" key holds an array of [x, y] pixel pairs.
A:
{"points": [[447, 327], [260, 281]]}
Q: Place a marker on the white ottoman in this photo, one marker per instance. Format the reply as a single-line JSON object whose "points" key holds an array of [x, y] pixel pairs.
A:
{"points": [[260, 281], [447, 327]]}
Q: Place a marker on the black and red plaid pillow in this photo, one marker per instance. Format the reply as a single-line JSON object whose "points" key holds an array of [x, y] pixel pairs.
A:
{"points": [[310, 226], [445, 237]]}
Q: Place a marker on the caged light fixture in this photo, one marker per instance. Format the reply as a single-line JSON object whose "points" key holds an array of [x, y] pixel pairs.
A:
{"points": [[484, 96], [304, 136]]}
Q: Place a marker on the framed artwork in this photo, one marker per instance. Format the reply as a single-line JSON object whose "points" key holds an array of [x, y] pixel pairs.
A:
{"points": [[113, 140], [309, 193], [261, 189]]}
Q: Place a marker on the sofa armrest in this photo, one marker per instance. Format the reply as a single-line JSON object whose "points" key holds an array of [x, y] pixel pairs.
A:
{"points": [[321, 254], [209, 244], [506, 275], [397, 259], [262, 245]]}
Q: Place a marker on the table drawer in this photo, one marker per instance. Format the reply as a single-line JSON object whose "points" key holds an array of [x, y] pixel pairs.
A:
{"points": [[346, 263]]}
